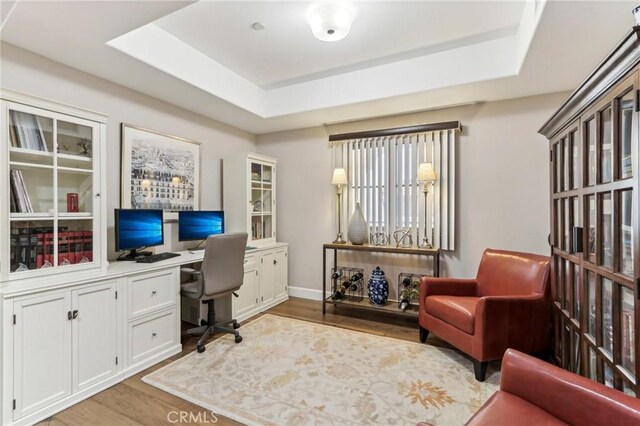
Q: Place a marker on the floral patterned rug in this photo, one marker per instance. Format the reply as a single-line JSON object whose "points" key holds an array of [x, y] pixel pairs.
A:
{"points": [[293, 372]]}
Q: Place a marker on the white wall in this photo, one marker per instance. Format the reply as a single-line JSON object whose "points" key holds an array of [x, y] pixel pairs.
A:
{"points": [[35, 75], [502, 186]]}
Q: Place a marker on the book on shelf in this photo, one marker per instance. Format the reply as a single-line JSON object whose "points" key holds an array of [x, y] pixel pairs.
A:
{"points": [[26, 132], [22, 202], [33, 247]]}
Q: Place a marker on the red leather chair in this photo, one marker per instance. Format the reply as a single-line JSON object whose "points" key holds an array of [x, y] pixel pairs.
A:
{"points": [[505, 306], [534, 393]]}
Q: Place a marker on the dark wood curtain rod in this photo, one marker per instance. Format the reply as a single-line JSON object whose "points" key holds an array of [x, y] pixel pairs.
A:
{"points": [[420, 128]]}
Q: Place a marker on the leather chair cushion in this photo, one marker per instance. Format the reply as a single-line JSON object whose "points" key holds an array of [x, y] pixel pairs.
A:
{"points": [[505, 409], [459, 311]]}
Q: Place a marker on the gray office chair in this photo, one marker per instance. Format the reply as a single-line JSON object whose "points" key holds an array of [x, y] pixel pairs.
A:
{"points": [[221, 274]]}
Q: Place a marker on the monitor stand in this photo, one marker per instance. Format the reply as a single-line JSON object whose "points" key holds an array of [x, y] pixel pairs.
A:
{"points": [[134, 254], [197, 248]]}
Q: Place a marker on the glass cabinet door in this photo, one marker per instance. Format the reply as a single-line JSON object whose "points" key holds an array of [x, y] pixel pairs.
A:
{"points": [[52, 183], [262, 201], [595, 288]]}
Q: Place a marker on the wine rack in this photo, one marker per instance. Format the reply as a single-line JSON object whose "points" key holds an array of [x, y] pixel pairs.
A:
{"points": [[347, 283], [408, 290]]}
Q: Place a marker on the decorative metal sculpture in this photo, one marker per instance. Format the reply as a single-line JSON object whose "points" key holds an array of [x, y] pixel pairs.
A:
{"points": [[403, 238], [379, 239], [86, 146]]}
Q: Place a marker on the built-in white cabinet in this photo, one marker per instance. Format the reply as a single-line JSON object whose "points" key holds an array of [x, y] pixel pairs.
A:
{"points": [[42, 348], [249, 197], [94, 334], [265, 282], [246, 304], [63, 342], [153, 326], [51, 188], [267, 277]]}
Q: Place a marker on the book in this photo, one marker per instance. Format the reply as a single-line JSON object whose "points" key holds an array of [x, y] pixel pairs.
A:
{"points": [[63, 247], [27, 131], [19, 191], [88, 245], [40, 250], [13, 207], [33, 246], [22, 252], [13, 251]]}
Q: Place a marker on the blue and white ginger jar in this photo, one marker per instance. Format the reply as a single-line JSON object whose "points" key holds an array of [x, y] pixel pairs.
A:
{"points": [[378, 287]]}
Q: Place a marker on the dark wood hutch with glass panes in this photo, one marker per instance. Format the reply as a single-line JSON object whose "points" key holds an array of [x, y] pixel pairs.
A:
{"points": [[594, 173]]}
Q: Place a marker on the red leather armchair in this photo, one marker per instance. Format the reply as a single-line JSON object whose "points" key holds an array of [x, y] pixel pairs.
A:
{"points": [[505, 306], [537, 393]]}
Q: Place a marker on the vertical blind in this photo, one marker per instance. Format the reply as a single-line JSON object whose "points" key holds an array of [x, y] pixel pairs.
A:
{"points": [[382, 173]]}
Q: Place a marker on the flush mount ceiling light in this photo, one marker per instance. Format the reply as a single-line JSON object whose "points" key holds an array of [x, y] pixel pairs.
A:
{"points": [[330, 22]]}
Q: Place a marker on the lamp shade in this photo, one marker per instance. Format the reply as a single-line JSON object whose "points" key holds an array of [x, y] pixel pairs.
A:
{"points": [[426, 173], [339, 177], [330, 22]]}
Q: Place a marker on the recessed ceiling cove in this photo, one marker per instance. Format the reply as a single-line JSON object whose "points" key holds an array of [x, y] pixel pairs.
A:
{"points": [[393, 48], [397, 57]]}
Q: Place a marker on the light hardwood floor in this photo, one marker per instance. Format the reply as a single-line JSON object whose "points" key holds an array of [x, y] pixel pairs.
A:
{"points": [[133, 402]]}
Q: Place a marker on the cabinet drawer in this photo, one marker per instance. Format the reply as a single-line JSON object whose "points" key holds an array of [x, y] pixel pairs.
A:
{"points": [[152, 292], [148, 336], [250, 262]]}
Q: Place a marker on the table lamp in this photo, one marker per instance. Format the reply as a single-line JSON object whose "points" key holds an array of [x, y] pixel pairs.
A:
{"points": [[339, 179], [426, 176]]}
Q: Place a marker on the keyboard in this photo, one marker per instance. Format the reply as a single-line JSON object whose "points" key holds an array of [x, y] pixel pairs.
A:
{"points": [[157, 257]]}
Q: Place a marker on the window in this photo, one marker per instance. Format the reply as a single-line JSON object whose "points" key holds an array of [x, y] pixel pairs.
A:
{"points": [[382, 168]]}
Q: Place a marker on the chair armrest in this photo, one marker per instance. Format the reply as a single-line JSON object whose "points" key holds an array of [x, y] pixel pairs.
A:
{"points": [[430, 286], [571, 398], [519, 322]]}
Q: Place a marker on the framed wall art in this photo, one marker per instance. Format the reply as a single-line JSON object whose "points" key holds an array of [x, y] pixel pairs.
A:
{"points": [[159, 171]]}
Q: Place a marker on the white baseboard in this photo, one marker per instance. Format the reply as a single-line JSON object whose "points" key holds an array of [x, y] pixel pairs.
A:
{"points": [[305, 293]]}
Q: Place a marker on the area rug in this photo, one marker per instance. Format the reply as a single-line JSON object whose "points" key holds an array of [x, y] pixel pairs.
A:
{"points": [[293, 372]]}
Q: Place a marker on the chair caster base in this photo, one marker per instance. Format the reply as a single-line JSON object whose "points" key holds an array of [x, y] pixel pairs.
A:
{"points": [[200, 348], [238, 339], [236, 325]]}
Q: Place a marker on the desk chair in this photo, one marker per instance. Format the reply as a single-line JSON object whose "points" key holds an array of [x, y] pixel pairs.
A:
{"points": [[221, 274]]}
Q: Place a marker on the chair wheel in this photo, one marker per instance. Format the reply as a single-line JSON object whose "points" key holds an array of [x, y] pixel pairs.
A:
{"points": [[201, 349], [238, 339], [236, 325]]}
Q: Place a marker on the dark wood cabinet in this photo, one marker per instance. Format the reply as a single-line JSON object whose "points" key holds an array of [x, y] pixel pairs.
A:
{"points": [[595, 215]]}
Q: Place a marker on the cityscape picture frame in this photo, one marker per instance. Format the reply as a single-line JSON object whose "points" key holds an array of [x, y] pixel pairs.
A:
{"points": [[158, 170]]}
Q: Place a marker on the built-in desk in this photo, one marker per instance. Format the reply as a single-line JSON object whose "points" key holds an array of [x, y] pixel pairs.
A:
{"points": [[69, 337]]}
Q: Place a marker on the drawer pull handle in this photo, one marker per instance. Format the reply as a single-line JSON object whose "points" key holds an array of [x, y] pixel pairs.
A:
{"points": [[153, 293], [154, 334]]}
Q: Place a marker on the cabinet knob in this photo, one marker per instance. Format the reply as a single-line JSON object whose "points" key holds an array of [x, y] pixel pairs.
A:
{"points": [[153, 292], [154, 334], [75, 314], [98, 195]]}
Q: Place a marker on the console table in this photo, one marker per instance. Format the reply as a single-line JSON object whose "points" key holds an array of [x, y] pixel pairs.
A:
{"points": [[434, 254]]}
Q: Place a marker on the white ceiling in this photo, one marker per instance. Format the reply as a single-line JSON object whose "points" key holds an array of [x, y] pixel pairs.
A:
{"points": [[286, 49], [400, 56]]}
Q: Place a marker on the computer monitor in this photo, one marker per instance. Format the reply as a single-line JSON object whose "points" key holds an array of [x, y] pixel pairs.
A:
{"points": [[136, 229], [198, 225]]}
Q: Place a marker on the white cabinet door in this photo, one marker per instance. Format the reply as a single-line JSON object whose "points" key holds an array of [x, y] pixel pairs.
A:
{"points": [[281, 273], [94, 334], [247, 301], [42, 351], [267, 276]]}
